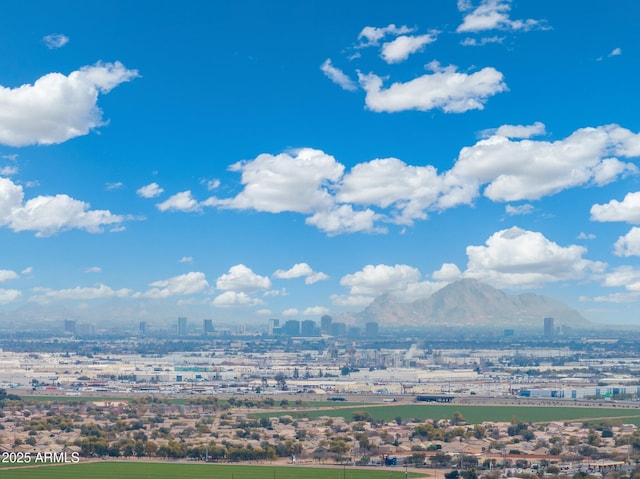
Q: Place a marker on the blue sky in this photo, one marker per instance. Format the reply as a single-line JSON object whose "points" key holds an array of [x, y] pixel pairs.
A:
{"points": [[246, 160]]}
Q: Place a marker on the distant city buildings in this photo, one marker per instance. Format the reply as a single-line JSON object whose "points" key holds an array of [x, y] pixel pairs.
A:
{"points": [[325, 324], [142, 328], [207, 326], [308, 328], [182, 326], [509, 333], [371, 329], [70, 326], [274, 324], [549, 329], [291, 328]]}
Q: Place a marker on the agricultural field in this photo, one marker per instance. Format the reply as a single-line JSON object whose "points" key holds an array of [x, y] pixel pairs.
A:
{"points": [[474, 414], [152, 470]]}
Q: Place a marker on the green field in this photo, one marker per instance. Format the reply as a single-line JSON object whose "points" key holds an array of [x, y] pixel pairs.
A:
{"points": [[141, 470], [474, 414]]}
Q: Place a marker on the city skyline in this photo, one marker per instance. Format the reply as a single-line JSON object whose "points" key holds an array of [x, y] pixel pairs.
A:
{"points": [[241, 161]]}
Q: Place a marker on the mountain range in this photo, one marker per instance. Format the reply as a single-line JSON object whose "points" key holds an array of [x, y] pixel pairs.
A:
{"points": [[470, 303]]}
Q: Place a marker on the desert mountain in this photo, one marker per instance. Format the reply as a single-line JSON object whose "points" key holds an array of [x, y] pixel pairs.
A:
{"points": [[470, 303]]}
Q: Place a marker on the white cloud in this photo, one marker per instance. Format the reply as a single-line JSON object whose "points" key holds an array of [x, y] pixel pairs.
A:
{"points": [[27, 270], [183, 201], [445, 89], [79, 293], [241, 278], [9, 295], [7, 274], [9, 170], [615, 52], [516, 131], [372, 35], [211, 184], [315, 277], [448, 272], [114, 186], [186, 259], [152, 190], [55, 41], [337, 76], [233, 298], [296, 271], [494, 14], [390, 182], [316, 311], [519, 258], [344, 219], [93, 269], [184, 284], [525, 209], [528, 169], [299, 183], [399, 49], [623, 276], [290, 312], [627, 210], [56, 107], [629, 244], [480, 42], [48, 215], [374, 280], [300, 270], [586, 236]]}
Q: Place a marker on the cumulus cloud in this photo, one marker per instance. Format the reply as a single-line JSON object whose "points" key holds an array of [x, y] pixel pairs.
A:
{"points": [[516, 257], [445, 89], [492, 15], [93, 269], [369, 36], [298, 182], [7, 274], [152, 190], [183, 201], [528, 170], [9, 295], [351, 301], [184, 284], [399, 49], [615, 52], [114, 186], [337, 76], [48, 215], [211, 184], [372, 195], [586, 236], [401, 280], [290, 312], [79, 293], [300, 270], [516, 131], [56, 107], [55, 41], [480, 42], [448, 272], [629, 244], [240, 278], [8, 170], [233, 298], [525, 209], [627, 210], [186, 259]]}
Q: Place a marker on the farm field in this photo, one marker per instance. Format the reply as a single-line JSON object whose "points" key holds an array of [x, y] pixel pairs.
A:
{"points": [[153, 470], [474, 414]]}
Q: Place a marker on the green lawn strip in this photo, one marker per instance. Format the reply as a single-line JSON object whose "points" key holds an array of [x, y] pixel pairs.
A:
{"points": [[473, 414], [148, 470]]}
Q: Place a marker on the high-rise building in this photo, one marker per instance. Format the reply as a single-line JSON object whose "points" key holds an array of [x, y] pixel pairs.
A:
{"points": [[548, 327], [338, 329], [325, 324], [85, 330], [371, 329], [273, 324], [69, 326], [308, 328], [291, 328], [182, 326], [142, 327], [207, 326]]}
